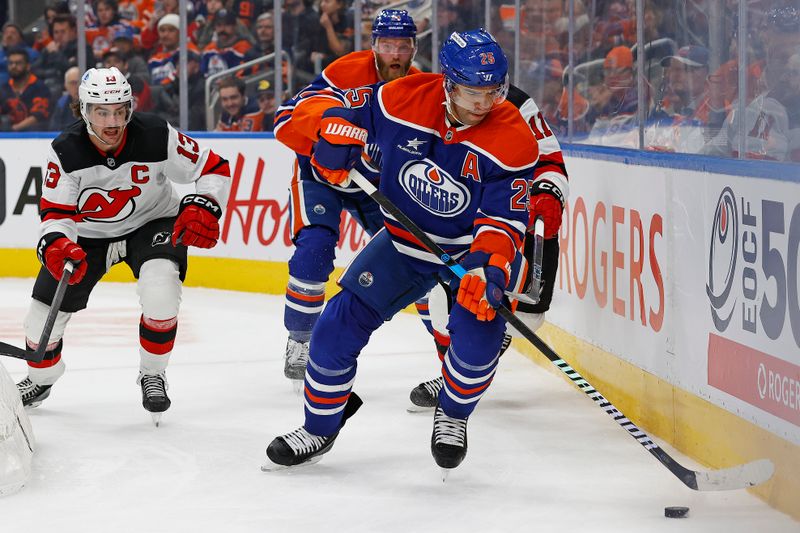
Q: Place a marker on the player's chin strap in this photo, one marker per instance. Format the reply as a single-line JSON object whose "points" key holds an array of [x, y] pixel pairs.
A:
{"points": [[735, 477]]}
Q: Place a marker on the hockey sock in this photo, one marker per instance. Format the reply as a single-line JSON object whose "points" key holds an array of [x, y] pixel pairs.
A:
{"points": [[156, 337], [304, 302]]}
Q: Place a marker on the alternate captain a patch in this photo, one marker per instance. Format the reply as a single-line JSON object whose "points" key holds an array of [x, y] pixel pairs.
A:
{"points": [[433, 188]]}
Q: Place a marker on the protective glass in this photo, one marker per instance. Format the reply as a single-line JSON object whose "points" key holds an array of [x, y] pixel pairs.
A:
{"points": [[109, 116], [399, 47], [476, 98]]}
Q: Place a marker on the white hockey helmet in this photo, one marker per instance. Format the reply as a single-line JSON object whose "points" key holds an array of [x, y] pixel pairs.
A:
{"points": [[104, 86]]}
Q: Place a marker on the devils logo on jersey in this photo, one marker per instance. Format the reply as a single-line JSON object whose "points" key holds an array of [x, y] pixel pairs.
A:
{"points": [[433, 188], [99, 205]]}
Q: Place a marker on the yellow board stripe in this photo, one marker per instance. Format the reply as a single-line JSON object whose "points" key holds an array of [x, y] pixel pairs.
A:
{"points": [[703, 431]]}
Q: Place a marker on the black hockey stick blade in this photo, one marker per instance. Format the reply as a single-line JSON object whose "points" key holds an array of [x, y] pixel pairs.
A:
{"points": [[38, 355], [736, 477], [535, 289]]}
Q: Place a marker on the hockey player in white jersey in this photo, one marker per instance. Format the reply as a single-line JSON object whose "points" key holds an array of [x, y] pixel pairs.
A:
{"points": [[107, 197]]}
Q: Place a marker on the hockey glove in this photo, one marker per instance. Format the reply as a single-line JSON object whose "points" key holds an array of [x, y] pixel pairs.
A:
{"points": [[546, 201], [197, 224], [54, 249], [341, 140], [481, 289]]}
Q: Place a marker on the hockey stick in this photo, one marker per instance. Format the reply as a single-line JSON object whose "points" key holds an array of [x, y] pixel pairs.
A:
{"points": [[534, 291], [38, 355], [736, 477]]}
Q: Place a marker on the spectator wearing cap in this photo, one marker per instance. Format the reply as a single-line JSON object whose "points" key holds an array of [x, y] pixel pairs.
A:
{"points": [[24, 99], [203, 30], [685, 91], [168, 102], [148, 38], [337, 23], [301, 35], [62, 115], [61, 53], [142, 99], [124, 42], [12, 38], [267, 104], [772, 118], [239, 114], [101, 33], [163, 61], [613, 104], [228, 49]]}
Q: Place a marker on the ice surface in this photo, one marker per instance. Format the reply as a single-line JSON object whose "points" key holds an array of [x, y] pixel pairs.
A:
{"points": [[542, 457]]}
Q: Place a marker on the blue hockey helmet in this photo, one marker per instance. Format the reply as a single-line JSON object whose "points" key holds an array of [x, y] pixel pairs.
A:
{"points": [[394, 23], [473, 58]]}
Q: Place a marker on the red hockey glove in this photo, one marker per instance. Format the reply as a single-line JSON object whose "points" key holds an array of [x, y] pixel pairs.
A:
{"points": [[481, 289], [197, 224], [547, 201], [54, 249], [341, 141]]}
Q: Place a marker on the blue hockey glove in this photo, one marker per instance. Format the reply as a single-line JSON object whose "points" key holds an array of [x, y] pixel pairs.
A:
{"points": [[482, 287], [341, 140]]}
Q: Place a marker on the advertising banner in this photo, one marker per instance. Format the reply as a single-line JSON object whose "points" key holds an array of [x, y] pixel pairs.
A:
{"points": [[255, 224], [689, 275]]}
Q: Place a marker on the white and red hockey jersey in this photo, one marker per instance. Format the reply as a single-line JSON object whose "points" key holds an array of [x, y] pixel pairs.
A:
{"points": [[94, 194]]}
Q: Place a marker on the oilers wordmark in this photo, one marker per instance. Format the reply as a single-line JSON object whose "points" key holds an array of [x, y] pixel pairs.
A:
{"points": [[433, 188]]}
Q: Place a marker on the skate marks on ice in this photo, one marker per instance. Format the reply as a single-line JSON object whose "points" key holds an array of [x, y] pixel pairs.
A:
{"points": [[538, 452]]}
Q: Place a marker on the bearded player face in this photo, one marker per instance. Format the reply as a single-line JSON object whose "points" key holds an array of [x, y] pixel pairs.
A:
{"points": [[393, 56]]}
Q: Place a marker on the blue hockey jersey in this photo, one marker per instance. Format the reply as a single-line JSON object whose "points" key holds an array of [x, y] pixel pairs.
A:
{"points": [[466, 186]]}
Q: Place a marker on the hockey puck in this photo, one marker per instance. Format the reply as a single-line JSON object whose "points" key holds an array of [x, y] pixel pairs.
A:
{"points": [[676, 512]]}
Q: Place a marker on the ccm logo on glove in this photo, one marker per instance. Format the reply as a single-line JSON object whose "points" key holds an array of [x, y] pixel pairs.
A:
{"points": [[197, 223], [546, 201]]}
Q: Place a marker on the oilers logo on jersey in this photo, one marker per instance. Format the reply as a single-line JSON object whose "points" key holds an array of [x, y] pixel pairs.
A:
{"points": [[100, 205], [433, 188]]}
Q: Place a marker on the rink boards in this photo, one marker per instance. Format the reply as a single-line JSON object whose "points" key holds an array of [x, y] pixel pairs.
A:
{"points": [[677, 292]]}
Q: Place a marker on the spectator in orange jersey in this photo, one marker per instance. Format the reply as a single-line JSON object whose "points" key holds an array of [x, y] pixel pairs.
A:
{"points": [[25, 99], [228, 48], [100, 35], [239, 113]]}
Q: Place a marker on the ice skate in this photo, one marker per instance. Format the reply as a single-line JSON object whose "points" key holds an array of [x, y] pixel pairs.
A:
{"points": [[154, 394], [448, 441], [296, 359], [425, 396], [300, 447], [32, 394]]}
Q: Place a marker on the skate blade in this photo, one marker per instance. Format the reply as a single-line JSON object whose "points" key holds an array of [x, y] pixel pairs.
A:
{"points": [[269, 466], [414, 408], [156, 418], [445, 473], [297, 386]]}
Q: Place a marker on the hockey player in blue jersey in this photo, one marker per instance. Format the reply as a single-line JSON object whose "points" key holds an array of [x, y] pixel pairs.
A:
{"points": [[316, 204], [456, 159]]}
